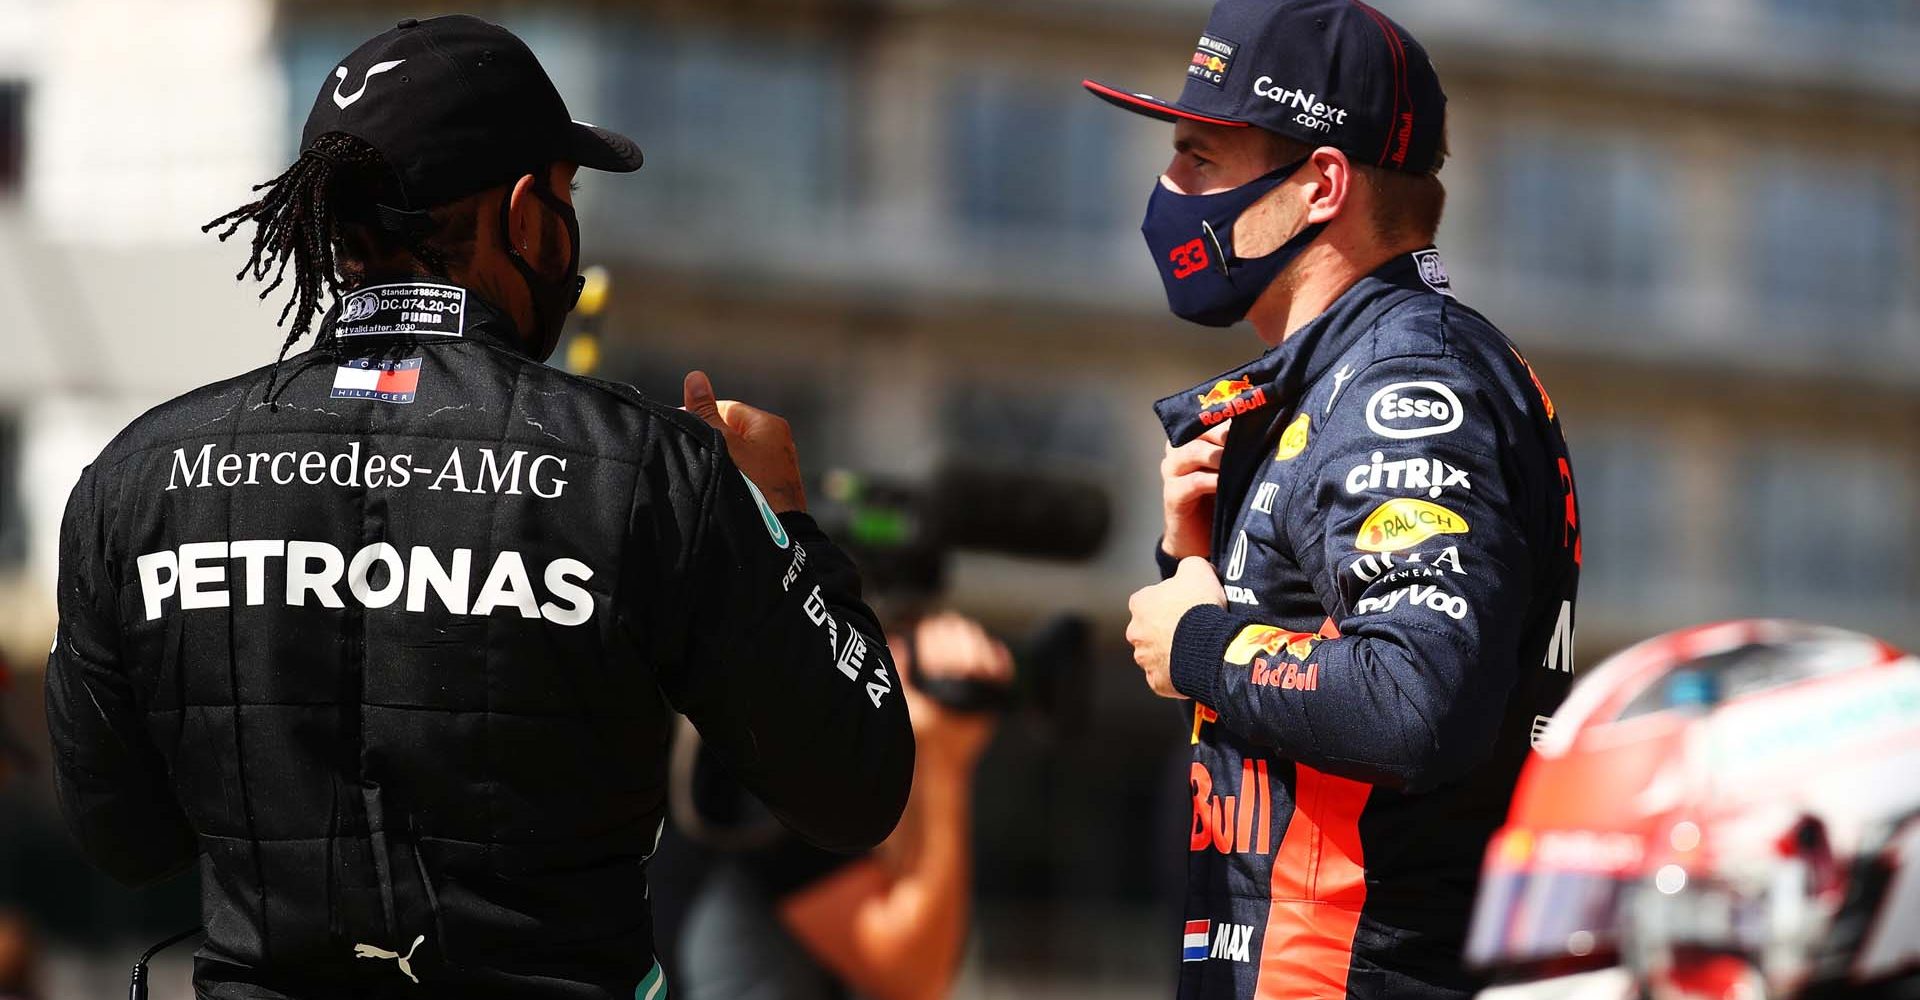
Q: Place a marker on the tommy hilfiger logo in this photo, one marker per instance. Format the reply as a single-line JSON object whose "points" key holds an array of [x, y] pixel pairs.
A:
{"points": [[373, 378]]}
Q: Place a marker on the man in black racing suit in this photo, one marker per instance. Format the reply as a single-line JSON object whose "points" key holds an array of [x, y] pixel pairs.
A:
{"points": [[390, 635]]}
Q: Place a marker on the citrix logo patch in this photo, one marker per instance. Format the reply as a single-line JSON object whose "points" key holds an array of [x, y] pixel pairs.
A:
{"points": [[1430, 475]]}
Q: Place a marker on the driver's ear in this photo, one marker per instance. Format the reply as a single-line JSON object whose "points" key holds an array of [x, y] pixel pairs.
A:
{"points": [[523, 222], [1331, 183]]}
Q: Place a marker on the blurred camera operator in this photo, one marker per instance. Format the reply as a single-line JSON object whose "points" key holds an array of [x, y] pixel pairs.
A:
{"points": [[787, 922], [19, 945], [389, 636]]}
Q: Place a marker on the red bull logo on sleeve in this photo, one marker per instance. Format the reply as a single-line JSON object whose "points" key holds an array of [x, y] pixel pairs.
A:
{"points": [[1285, 676], [1255, 640]]}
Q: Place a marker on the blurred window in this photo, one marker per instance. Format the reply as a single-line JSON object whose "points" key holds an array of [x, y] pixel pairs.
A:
{"points": [[1625, 476], [1822, 530], [13, 134], [13, 521], [1030, 155], [1848, 13], [741, 128], [1832, 236], [1003, 422], [743, 125], [1585, 209], [802, 395]]}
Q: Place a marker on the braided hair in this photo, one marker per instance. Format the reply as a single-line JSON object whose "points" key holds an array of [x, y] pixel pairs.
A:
{"points": [[326, 216]]}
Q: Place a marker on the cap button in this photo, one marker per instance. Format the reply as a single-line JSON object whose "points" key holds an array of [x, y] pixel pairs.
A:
{"points": [[411, 22]]}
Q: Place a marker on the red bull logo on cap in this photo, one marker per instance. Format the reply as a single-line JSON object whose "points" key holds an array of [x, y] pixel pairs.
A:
{"points": [[1211, 59]]}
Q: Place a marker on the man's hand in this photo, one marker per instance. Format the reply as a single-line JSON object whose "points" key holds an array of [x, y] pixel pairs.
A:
{"points": [[951, 646], [1189, 478], [1157, 611], [760, 442]]}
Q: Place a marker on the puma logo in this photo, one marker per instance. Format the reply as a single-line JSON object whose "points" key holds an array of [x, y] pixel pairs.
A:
{"points": [[346, 100], [1339, 379], [405, 961]]}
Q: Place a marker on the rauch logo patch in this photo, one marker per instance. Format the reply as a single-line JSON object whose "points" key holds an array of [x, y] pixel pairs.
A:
{"points": [[1404, 522]]}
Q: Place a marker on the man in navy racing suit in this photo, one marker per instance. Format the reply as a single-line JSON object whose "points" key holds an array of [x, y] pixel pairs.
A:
{"points": [[1372, 541]]}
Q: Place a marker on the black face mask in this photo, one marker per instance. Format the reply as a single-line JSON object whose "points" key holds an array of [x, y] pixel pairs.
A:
{"points": [[552, 298]]}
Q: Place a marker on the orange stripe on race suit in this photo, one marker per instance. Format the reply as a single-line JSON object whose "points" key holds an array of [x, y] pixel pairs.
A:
{"points": [[1319, 886]]}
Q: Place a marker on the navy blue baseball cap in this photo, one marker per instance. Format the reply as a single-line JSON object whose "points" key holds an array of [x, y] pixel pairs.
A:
{"points": [[1324, 72]]}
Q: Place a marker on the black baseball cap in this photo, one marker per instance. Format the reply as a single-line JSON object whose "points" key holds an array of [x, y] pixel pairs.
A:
{"points": [[1325, 72], [456, 105]]}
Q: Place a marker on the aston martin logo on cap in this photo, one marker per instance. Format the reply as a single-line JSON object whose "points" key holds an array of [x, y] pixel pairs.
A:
{"points": [[1212, 57]]}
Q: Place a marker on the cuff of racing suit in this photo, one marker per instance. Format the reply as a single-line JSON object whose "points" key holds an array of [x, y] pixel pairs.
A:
{"points": [[799, 522], [1199, 643], [1168, 564]]}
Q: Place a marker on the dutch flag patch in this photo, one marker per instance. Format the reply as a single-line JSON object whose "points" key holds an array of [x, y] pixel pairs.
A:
{"points": [[1194, 945]]}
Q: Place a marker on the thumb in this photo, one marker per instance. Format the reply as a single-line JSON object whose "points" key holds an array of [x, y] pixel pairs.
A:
{"points": [[1194, 566], [697, 394]]}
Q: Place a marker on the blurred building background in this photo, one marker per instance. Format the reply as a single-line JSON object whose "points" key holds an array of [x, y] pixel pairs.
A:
{"points": [[903, 225]]}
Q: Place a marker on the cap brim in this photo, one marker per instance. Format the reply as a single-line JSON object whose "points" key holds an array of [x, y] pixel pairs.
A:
{"points": [[1154, 107], [602, 149]]}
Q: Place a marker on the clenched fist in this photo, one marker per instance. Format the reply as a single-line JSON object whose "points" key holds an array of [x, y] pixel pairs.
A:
{"points": [[1157, 611]]}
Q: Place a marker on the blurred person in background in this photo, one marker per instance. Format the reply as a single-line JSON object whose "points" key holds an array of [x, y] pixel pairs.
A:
{"points": [[13, 752], [392, 631], [19, 945], [771, 918], [19, 957], [1371, 543]]}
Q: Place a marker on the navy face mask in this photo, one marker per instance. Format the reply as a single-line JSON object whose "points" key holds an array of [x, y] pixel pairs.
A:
{"points": [[1191, 237]]}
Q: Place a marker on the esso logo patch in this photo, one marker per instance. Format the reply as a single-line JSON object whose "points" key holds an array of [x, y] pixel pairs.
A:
{"points": [[1413, 410]]}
